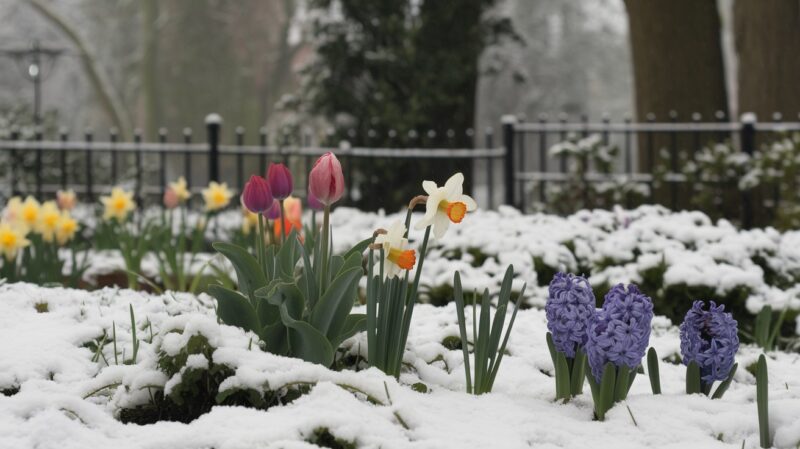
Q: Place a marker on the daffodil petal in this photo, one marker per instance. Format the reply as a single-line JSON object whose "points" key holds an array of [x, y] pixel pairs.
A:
{"points": [[429, 187], [471, 204], [454, 186], [440, 225]]}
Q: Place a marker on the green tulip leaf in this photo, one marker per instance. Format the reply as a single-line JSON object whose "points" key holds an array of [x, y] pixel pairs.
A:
{"points": [[305, 341], [336, 303], [234, 309], [248, 272]]}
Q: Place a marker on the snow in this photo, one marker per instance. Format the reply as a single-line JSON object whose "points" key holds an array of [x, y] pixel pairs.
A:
{"points": [[62, 401]]}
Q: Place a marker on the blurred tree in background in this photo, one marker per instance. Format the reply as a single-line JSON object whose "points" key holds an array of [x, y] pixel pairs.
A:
{"points": [[387, 72]]}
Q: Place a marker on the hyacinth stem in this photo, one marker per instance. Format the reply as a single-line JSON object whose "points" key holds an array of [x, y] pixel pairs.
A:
{"points": [[323, 273], [653, 372], [762, 398]]}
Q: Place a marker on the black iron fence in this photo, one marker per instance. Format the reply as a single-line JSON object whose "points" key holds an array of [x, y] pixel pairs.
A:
{"points": [[91, 166], [643, 149]]}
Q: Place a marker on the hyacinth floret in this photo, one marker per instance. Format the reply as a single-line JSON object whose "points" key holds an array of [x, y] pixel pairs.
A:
{"points": [[570, 307], [620, 331], [710, 339]]}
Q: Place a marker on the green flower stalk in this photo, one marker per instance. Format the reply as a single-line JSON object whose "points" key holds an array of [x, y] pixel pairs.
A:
{"points": [[762, 401]]}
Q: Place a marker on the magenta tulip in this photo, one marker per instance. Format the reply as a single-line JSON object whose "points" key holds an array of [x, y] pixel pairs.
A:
{"points": [[280, 181], [257, 196], [326, 181], [313, 202], [274, 212]]}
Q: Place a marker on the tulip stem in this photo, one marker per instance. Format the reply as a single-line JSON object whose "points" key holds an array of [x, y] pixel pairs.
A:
{"points": [[323, 273], [283, 224], [260, 250]]}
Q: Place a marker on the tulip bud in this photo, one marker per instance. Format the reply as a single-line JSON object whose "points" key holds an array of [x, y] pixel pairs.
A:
{"points": [[280, 181], [256, 195], [66, 199], [274, 212], [326, 181], [313, 202], [171, 199]]}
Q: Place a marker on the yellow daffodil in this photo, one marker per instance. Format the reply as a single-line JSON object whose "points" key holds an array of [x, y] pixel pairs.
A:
{"points": [[118, 205], [12, 239], [49, 215], [66, 199], [29, 214], [181, 189], [65, 228], [395, 257], [445, 204], [13, 209], [217, 196], [249, 221]]}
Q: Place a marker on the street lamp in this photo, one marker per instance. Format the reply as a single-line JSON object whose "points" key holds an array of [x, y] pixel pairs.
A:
{"points": [[35, 63]]}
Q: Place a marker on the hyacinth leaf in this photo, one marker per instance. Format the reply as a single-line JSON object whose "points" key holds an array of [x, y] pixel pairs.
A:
{"points": [[762, 400], [234, 309], [248, 272], [622, 384], [551, 347], [595, 388], [723, 387], [653, 371], [482, 343], [693, 385], [335, 304], [578, 373], [773, 336], [305, 341], [632, 377], [606, 391], [763, 321], [458, 296], [562, 377]]}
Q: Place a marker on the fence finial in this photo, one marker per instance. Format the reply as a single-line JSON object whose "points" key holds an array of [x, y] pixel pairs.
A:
{"points": [[213, 119], [748, 117]]}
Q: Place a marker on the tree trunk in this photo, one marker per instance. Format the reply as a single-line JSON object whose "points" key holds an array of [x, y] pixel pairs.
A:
{"points": [[677, 58], [149, 65], [767, 35], [677, 66]]}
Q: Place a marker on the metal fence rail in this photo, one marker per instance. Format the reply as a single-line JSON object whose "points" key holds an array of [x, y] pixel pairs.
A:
{"points": [[90, 166]]}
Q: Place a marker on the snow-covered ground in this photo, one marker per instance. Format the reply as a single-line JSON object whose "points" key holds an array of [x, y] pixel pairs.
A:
{"points": [[66, 399]]}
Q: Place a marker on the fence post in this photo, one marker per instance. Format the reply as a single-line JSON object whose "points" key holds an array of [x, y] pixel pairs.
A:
{"points": [[213, 125], [508, 122], [748, 143]]}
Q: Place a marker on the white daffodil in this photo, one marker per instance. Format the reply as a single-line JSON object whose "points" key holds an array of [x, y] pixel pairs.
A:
{"points": [[445, 204], [395, 257]]}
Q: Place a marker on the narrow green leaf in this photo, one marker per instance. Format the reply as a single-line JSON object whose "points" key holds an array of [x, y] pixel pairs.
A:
{"points": [[562, 377], [578, 373], [763, 322], [622, 385], [458, 296], [502, 350], [776, 329], [693, 379], [723, 387], [358, 249], [606, 391], [500, 314], [482, 344], [373, 283], [551, 346], [653, 371], [762, 400], [309, 281]]}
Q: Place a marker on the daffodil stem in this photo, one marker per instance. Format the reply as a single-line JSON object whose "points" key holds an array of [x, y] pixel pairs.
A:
{"points": [[283, 224], [323, 273]]}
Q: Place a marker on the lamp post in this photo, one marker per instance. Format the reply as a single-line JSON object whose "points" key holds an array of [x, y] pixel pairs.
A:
{"points": [[32, 62]]}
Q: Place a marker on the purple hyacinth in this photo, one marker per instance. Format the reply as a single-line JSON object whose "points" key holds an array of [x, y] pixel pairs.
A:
{"points": [[710, 339], [620, 331], [570, 307]]}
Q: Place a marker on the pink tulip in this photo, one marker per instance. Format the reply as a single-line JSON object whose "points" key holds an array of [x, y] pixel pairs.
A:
{"points": [[257, 196], [171, 199], [280, 181], [66, 199], [326, 181]]}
